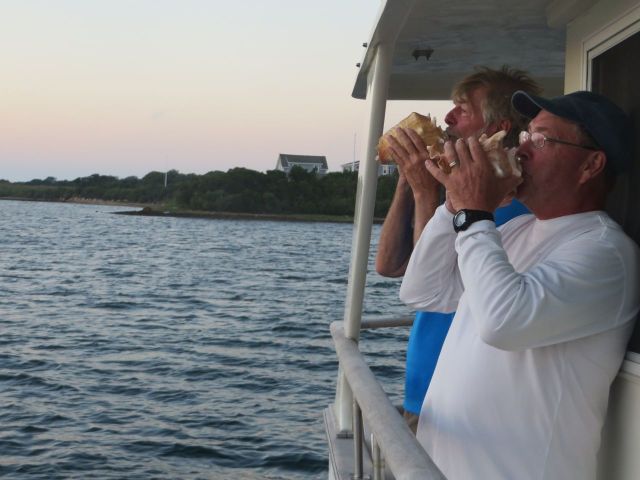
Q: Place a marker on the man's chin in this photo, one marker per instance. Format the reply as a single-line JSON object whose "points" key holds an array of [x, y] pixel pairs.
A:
{"points": [[507, 200], [450, 135], [520, 193]]}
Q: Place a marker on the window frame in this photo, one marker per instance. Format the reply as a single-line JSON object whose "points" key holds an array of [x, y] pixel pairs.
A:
{"points": [[599, 42]]}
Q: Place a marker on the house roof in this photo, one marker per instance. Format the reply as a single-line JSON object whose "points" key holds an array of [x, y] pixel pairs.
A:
{"points": [[287, 159]]}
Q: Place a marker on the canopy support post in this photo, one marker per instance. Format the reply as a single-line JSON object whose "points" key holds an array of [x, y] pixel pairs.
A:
{"points": [[363, 221]]}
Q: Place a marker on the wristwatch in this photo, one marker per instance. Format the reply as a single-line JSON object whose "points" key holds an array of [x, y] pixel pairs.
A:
{"points": [[464, 218]]}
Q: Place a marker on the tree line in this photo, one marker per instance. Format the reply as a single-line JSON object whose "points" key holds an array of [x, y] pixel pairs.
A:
{"points": [[239, 190]]}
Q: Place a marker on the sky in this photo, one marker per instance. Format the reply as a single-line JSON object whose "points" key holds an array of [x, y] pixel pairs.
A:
{"points": [[125, 87]]}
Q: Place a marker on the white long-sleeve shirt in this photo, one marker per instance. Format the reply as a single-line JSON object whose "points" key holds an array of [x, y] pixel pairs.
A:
{"points": [[544, 312]]}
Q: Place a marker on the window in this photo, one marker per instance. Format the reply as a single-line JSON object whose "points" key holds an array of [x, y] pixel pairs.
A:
{"points": [[616, 74]]}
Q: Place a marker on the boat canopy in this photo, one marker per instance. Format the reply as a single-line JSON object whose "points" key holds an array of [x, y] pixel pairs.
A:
{"points": [[438, 43]]}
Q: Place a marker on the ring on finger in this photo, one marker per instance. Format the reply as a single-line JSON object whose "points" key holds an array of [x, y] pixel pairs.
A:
{"points": [[453, 164]]}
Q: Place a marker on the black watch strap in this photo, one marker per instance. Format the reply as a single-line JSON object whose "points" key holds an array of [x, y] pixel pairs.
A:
{"points": [[465, 217]]}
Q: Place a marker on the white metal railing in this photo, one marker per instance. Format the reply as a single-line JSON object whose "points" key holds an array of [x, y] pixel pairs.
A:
{"points": [[402, 452], [387, 323]]}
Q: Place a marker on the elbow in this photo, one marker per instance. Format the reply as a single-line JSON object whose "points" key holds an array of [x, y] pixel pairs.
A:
{"points": [[495, 340], [408, 297], [500, 339], [403, 294], [507, 322], [381, 268], [386, 269], [417, 295]]}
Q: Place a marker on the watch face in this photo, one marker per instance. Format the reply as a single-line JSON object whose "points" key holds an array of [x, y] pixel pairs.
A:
{"points": [[464, 218]]}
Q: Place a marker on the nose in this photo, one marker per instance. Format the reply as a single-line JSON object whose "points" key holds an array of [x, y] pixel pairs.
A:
{"points": [[450, 119], [521, 152]]}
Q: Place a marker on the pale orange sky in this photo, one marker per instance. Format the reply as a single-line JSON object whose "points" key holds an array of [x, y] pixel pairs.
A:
{"points": [[125, 87]]}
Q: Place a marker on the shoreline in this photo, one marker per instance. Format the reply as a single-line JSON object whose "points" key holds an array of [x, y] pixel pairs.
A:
{"points": [[150, 212], [154, 210], [81, 201]]}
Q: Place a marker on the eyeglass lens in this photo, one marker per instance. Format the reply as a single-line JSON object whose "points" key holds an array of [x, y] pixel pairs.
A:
{"points": [[536, 138]]}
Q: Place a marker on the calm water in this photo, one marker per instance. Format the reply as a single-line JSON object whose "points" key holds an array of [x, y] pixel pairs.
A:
{"points": [[141, 347]]}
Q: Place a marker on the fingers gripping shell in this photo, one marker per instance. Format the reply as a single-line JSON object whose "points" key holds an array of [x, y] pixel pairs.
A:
{"points": [[503, 161]]}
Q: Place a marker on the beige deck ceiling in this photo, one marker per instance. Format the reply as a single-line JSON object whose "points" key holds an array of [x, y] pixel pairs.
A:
{"points": [[464, 34]]}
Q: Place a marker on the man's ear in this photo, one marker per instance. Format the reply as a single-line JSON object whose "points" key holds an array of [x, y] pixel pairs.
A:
{"points": [[592, 166], [497, 126], [505, 125]]}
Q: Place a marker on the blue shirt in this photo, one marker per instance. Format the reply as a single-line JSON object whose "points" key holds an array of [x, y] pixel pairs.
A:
{"points": [[428, 333]]}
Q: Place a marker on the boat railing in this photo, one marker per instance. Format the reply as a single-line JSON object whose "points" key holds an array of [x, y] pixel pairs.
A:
{"points": [[391, 436], [386, 323]]}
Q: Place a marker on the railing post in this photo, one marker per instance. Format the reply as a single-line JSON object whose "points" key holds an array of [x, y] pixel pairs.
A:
{"points": [[363, 221], [378, 460], [358, 441]]}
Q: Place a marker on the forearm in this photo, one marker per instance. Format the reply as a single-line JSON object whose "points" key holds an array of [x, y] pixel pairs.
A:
{"points": [[409, 213], [573, 293], [415, 199], [396, 237]]}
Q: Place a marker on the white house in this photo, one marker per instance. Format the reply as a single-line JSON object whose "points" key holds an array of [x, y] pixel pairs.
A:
{"points": [[386, 169], [309, 162]]}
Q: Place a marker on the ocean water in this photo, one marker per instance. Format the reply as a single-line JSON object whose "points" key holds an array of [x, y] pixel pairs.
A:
{"points": [[146, 347]]}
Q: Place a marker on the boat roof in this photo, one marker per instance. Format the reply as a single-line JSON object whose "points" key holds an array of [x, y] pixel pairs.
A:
{"points": [[461, 34]]}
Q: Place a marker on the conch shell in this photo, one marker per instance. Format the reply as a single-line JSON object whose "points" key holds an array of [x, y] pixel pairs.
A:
{"points": [[432, 135], [504, 161]]}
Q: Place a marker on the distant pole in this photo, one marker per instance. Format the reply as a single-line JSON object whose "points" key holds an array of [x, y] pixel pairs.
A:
{"points": [[353, 163], [165, 179]]}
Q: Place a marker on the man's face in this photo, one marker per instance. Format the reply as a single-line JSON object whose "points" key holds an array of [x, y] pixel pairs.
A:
{"points": [[465, 119], [551, 174]]}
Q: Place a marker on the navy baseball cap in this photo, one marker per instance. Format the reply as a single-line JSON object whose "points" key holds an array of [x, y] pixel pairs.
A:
{"points": [[607, 124]]}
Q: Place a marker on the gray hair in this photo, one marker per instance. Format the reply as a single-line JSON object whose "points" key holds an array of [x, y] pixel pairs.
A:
{"points": [[500, 85]]}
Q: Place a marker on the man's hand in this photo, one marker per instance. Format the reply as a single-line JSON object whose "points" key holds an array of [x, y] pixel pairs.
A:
{"points": [[472, 182], [410, 153]]}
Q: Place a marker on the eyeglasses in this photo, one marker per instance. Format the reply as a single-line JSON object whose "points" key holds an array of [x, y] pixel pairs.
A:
{"points": [[538, 140]]}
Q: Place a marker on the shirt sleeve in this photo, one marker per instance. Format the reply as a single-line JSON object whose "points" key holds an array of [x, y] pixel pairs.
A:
{"points": [[578, 290], [432, 279]]}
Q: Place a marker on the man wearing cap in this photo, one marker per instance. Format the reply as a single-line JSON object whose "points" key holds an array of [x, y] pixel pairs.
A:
{"points": [[546, 303]]}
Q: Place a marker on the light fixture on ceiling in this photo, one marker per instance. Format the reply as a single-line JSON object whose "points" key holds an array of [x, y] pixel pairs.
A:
{"points": [[422, 52]]}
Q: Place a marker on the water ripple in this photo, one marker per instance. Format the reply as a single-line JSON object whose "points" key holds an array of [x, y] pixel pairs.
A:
{"points": [[141, 347]]}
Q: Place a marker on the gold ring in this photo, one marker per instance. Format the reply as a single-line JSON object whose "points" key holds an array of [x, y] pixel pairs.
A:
{"points": [[453, 164]]}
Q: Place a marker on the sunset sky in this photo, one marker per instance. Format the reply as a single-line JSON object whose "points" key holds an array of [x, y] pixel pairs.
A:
{"points": [[124, 87]]}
